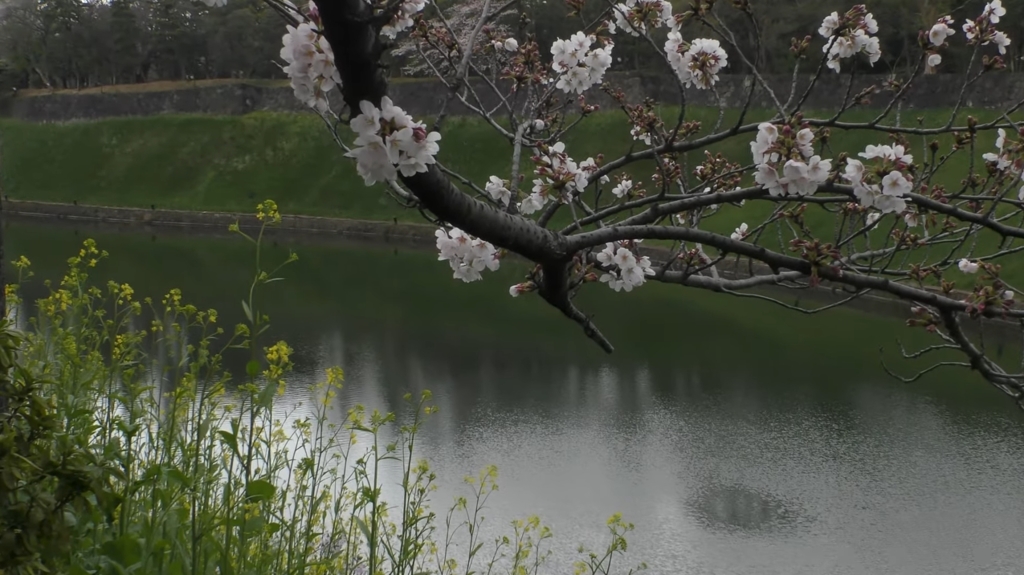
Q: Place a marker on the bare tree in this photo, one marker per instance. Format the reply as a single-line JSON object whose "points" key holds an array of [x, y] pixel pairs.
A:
{"points": [[930, 227]]}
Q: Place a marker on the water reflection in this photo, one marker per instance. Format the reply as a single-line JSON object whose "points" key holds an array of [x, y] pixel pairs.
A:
{"points": [[733, 450], [717, 475]]}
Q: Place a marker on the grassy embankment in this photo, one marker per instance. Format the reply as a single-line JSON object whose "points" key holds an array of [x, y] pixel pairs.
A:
{"points": [[231, 163]]}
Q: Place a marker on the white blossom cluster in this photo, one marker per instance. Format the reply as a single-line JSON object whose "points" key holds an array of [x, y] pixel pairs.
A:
{"points": [[467, 255], [937, 36], [696, 63], [578, 66], [983, 29], [740, 233], [1008, 158], [633, 16], [558, 175], [389, 142], [885, 187], [402, 20], [310, 62], [625, 270], [782, 175], [852, 33]]}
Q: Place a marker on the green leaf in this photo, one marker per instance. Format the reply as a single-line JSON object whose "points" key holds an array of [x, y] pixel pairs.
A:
{"points": [[125, 550], [259, 490], [179, 477], [248, 312], [252, 368], [230, 439], [266, 398], [364, 529]]}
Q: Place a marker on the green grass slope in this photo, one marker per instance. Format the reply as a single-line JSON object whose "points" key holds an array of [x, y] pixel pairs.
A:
{"points": [[231, 163]]}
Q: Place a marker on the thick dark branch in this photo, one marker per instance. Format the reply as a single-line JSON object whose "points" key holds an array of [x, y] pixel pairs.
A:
{"points": [[512, 232], [555, 290], [348, 26], [357, 49], [1009, 384]]}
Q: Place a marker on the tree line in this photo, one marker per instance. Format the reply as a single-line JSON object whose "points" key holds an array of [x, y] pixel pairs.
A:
{"points": [[68, 44]]}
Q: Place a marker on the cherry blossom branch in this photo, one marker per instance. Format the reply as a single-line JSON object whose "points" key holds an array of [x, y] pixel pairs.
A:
{"points": [[906, 258]]}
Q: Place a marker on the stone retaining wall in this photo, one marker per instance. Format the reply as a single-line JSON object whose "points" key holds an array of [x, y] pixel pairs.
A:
{"points": [[424, 98], [181, 219]]}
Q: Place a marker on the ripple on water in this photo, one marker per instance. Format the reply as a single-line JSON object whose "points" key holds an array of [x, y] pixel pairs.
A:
{"points": [[741, 510]]}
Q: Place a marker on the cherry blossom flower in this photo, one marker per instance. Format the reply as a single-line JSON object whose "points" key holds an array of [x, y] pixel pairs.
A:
{"points": [[993, 11], [873, 218], [799, 177], [402, 20], [532, 203], [511, 45], [805, 142], [1001, 40], [498, 190], [885, 194], [894, 153], [768, 178], [1002, 160], [854, 171], [982, 30], [622, 188], [849, 35], [940, 31], [578, 66], [467, 255], [698, 63], [625, 270], [388, 138], [796, 180], [896, 184], [633, 16], [829, 25], [970, 30], [767, 135], [968, 267], [640, 134], [309, 62], [740, 233]]}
